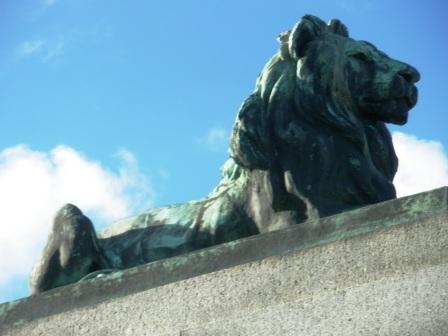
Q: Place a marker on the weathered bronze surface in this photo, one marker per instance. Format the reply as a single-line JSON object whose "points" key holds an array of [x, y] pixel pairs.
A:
{"points": [[309, 142]]}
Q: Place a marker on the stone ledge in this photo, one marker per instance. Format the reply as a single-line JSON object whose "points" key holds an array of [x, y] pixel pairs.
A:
{"points": [[265, 254]]}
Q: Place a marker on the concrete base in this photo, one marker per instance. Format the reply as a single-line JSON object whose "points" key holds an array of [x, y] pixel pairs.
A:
{"points": [[379, 270]]}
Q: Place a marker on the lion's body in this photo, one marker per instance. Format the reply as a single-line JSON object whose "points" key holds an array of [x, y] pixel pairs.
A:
{"points": [[310, 141]]}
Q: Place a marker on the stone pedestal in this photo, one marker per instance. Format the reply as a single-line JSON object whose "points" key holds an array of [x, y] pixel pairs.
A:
{"points": [[378, 270]]}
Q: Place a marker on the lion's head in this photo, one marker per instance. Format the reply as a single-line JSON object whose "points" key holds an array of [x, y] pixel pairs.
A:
{"points": [[378, 87], [315, 121]]}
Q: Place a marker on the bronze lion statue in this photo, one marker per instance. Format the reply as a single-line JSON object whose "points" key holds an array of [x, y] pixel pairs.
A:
{"points": [[310, 141]]}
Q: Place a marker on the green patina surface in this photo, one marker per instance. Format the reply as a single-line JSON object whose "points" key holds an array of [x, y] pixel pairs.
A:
{"points": [[344, 225]]}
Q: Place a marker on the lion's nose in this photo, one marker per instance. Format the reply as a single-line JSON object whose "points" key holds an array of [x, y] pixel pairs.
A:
{"points": [[409, 73]]}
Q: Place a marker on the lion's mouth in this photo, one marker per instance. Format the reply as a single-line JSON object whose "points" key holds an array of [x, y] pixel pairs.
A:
{"points": [[391, 110], [410, 99]]}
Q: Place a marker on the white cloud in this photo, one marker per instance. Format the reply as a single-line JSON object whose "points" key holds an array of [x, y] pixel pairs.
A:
{"points": [[45, 49], [32, 47], [423, 164], [217, 139], [49, 3], [54, 51], [33, 185]]}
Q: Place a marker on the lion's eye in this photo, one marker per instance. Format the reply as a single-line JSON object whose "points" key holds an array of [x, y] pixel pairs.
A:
{"points": [[362, 57]]}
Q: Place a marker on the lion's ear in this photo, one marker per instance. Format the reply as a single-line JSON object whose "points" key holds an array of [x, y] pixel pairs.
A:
{"points": [[306, 30], [337, 27]]}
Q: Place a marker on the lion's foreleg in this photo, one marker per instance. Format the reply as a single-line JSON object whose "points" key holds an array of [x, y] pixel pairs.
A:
{"points": [[72, 251]]}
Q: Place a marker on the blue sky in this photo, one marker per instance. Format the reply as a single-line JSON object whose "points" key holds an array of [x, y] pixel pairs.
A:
{"points": [[121, 105]]}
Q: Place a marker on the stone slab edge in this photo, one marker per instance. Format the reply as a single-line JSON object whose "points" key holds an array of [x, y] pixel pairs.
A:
{"points": [[303, 236]]}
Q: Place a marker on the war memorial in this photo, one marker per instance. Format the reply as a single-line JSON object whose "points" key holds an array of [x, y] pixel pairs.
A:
{"points": [[303, 235]]}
